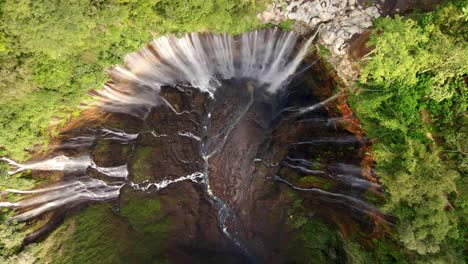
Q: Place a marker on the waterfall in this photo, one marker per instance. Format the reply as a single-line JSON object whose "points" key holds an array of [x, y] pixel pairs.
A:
{"points": [[267, 57]]}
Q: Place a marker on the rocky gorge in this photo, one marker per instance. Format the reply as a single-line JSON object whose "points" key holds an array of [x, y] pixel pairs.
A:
{"points": [[209, 148]]}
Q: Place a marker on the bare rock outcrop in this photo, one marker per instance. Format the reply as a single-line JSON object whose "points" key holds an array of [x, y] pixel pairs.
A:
{"points": [[337, 21]]}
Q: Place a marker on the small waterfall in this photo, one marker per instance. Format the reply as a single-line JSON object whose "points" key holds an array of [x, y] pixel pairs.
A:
{"points": [[354, 203], [59, 163], [118, 135], [346, 173], [78, 190]]}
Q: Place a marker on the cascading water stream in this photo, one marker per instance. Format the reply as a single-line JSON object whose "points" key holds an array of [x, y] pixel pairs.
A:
{"points": [[223, 209]]}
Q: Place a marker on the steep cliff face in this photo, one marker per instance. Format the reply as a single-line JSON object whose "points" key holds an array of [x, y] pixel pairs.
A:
{"points": [[337, 21]]}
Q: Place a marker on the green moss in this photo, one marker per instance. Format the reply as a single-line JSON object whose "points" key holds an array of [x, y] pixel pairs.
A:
{"points": [[52, 53], [286, 24], [11, 235], [97, 235], [323, 51], [373, 197], [318, 158], [144, 214], [312, 181], [314, 242], [102, 148], [140, 167], [126, 149], [85, 237]]}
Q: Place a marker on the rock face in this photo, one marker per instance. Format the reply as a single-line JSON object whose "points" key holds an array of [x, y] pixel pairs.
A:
{"points": [[337, 21]]}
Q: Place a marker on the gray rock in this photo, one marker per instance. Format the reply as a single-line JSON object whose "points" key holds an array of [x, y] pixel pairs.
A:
{"points": [[338, 27]]}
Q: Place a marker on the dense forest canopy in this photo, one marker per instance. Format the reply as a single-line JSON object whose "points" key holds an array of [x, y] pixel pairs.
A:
{"points": [[411, 99]]}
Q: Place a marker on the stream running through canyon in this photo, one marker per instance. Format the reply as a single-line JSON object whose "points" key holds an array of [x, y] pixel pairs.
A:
{"points": [[228, 123]]}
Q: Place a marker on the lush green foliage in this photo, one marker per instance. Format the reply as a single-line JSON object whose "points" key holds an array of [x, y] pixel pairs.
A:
{"points": [[84, 238], [314, 241], [53, 52], [413, 102]]}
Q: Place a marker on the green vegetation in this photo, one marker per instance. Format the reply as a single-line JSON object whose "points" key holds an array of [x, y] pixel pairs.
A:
{"points": [[412, 101], [53, 52], [85, 238], [314, 241], [141, 165], [286, 24], [313, 181], [143, 214]]}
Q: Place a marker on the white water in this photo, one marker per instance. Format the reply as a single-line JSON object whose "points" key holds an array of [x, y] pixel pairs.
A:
{"points": [[303, 169], [144, 186], [269, 57], [352, 202], [118, 134], [59, 163], [76, 142], [112, 172], [317, 105], [189, 135], [341, 172], [78, 190], [224, 212]]}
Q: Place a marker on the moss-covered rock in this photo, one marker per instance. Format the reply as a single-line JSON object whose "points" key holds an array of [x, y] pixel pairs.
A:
{"points": [[140, 169], [143, 212], [314, 242], [313, 181]]}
